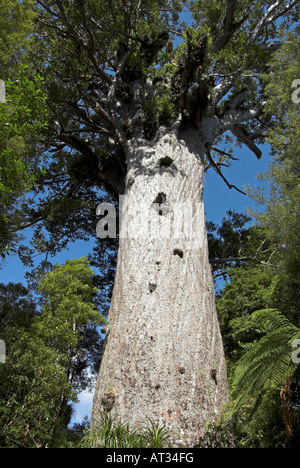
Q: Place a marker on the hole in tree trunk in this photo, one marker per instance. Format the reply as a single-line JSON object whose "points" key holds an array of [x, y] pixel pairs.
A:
{"points": [[178, 252], [213, 374], [161, 198], [152, 286], [166, 162]]}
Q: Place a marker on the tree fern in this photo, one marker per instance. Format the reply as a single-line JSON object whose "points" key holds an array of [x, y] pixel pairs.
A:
{"points": [[268, 364]]}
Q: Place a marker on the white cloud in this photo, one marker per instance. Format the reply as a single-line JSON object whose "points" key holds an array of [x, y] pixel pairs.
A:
{"points": [[84, 407]]}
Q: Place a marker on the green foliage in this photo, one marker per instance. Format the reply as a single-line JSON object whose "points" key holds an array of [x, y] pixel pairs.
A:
{"points": [[16, 26], [282, 200], [259, 309], [48, 359], [24, 114], [249, 289], [155, 436], [219, 436], [17, 307], [236, 243], [69, 289], [69, 317], [22, 118], [159, 110], [117, 434], [32, 384], [268, 364], [258, 347]]}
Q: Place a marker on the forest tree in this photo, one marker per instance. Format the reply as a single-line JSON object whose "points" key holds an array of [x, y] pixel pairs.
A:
{"points": [[141, 104]]}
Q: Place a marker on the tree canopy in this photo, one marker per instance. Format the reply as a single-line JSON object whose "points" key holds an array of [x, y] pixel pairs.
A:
{"points": [[52, 355], [23, 116]]}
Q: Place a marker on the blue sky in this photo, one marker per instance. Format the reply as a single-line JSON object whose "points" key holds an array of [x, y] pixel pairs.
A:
{"points": [[219, 198]]}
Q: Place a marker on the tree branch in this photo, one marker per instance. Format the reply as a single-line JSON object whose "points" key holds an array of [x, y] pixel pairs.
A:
{"points": [[230, 27], [247, 139], [28, 225], [236, 100], [71, 33], [47, 8], [111, 98], [272, 14], [255, 257], [218, 171], [272, 46], [233, 117], [106, 117], [252, 258], [224, 261], [222, 89], [223, 153], [108, 171], [195, 56]]}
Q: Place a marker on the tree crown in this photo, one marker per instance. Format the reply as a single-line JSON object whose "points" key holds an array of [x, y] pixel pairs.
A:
{"points": [[127, 68]]}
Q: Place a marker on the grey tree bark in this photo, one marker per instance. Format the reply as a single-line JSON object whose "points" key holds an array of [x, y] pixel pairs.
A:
{"points": [[164, 357]]}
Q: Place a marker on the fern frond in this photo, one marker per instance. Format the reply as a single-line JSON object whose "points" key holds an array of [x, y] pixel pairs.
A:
{"points": [[268, 364], [273, 318]]}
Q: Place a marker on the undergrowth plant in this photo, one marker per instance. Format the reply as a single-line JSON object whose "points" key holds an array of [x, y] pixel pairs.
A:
{"points": [[117, 434]]}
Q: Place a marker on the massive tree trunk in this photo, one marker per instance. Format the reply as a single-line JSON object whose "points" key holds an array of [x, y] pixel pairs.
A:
{"points": [[164, 357]]}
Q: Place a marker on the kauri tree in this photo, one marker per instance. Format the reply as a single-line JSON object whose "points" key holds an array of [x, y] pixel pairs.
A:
{"points": [[141, 104]]}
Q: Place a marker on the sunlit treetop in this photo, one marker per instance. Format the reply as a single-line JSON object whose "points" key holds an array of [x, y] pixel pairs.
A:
{"points": [[121, 69]]}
